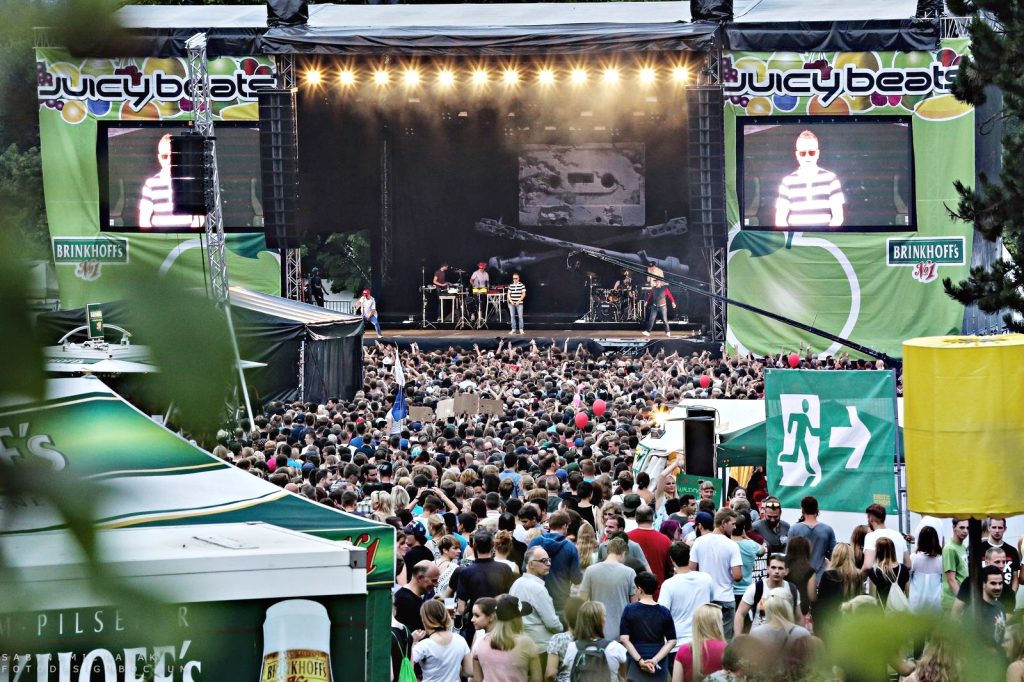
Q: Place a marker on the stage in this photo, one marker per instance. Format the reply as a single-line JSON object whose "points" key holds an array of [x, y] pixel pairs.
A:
{"points": [[596, 341]]}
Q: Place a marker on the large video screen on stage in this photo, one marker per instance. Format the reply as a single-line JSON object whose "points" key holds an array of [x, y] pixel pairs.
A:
{"points": [[816, 173], [134, 177]]}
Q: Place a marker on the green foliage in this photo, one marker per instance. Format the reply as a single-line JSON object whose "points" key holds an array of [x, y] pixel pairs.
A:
{"points": [[343, 258], [995, 206], [21, 195]]}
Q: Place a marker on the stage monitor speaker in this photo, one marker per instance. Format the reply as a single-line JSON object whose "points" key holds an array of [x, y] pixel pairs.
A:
{"points": [[699, 439], [190, 174], [710, 10], [279, 162], [287, 13]]}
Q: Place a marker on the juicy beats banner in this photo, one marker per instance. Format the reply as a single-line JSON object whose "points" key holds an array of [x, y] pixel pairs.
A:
{"points": [[859, 247], [100, 125]]}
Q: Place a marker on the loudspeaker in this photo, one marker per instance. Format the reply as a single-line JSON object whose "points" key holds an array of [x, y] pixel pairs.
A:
{"points": [[190, 174], [287, 13], [699, 439], [710, 10], [279, 165], [701, 411]]}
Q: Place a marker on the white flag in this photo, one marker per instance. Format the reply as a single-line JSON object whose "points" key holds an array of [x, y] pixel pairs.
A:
{"points": [[399, 374]]}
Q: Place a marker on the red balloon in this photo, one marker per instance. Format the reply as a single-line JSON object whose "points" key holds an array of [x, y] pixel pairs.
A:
{"points": [[794, 359], [582, 419], [705, 381], [599, 407]]}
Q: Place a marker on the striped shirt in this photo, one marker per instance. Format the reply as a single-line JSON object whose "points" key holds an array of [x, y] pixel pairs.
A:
{"points": [[807, 199], [156, 202], [516, 292]]}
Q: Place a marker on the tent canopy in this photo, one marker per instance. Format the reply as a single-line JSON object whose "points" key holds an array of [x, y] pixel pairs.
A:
{"points": [[529, 28], [270, 330]]}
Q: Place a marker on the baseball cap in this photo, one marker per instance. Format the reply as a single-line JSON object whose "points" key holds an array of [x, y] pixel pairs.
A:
{"points": [[704, 520], [417, 529], [631, 502]]}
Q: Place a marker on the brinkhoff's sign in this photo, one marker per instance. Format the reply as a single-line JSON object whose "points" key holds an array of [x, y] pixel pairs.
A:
{"points": [[828, 83]]}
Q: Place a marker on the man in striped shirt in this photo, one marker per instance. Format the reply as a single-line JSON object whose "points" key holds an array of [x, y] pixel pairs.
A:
{"points": [[156, 210], [809, 196], [516, 294]]}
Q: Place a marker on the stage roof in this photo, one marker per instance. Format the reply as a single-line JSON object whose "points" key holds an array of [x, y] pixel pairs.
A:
{"points": [[533, 28]]}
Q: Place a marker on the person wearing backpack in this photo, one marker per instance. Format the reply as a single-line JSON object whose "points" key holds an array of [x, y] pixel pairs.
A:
{"points": [[888, 572], [592, 657], [751, 604]]}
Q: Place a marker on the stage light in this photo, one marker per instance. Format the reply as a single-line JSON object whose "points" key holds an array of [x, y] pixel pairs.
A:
{"points": [[411, 77], [381, 77], [313, 77], [611, 76], [647, 75], [510, 77], [546, 77], [480, 77], [680, 74], [445, 78], [578, 76], [347, 77]]}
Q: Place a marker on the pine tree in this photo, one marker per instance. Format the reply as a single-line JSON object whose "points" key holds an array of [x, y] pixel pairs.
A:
{"points": [[995, 206]]}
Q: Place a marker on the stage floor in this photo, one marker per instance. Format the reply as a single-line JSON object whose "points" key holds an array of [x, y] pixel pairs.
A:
{"points": [[596, 341]]}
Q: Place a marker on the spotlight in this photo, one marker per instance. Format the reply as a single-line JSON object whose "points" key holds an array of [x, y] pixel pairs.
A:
{"points": [[480, 77], [647, 75], [314, 77], [510, 77], [578, 76], [445, 78], [680, 74], [611, 75], [381, 77], [411, 77], [347, 77], [546, 77]]}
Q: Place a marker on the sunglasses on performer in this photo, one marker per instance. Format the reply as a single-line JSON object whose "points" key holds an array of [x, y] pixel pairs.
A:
{"points": [[807, 152]]}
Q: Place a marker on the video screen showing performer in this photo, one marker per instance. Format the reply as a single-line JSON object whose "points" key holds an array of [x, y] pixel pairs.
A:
{"points": [[851, 173], [135, 178]]}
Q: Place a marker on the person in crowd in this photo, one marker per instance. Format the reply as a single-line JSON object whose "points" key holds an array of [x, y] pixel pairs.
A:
{"points": [[586, 546], [1011, 569], [416, 543], [857, 536], [801, 571], [684, 592], [717, 555], [876, 522], [409, 598], [654, 544], [443, 656], [1013, 647], [752, 603], [954, 563], [820, 535], [616, 525], [610, 582], [648, 632], [484, 616], [483, 578], [530, 589], [505, 654], [772, 528], [926, 573], [704, 651], [565, 560], [503, 548], [749, 553], [589, 650], [887, 572], [558, 664], [779, 631], [450, 551], [840, 582]]}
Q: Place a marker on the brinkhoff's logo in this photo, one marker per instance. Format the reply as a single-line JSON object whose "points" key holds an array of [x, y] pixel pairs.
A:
{"points": [[828, 83], [138, 89]]}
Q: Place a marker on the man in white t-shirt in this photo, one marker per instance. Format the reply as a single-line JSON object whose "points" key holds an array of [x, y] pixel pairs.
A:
{"points": [[684, 592], [876, 522], [717, 555]]}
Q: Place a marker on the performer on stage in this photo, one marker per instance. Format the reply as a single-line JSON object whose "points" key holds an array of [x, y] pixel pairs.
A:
{"points": [[516, 295], [654, 275], [625, 282], [316, 287], [480, 279], [366, 305], [657, 304], [441, 275]]}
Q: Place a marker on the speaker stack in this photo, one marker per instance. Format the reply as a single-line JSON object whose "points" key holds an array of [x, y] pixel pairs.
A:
{"points": [[699, 440], [279, 160]]}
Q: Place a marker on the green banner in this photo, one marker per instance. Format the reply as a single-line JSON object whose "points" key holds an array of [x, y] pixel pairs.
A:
{"points": [[75, 96], [832, 435], [876, 288]]}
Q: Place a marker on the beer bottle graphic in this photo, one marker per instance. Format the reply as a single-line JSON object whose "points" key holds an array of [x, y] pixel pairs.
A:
{"points": [[296, 643]]}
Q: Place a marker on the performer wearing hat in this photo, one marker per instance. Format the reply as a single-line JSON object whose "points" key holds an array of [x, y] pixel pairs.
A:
{"points": [[480, 279], [366, 305], [316, 287]]}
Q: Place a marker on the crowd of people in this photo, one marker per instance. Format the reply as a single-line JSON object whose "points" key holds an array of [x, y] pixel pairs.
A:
{"points": [[527, 549]]}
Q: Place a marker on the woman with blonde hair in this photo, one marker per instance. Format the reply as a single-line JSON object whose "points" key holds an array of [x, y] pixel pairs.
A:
{"points": [[399, 497], [1013, 645], [586, 545], [839, 582], [887, 571], [437, 530], [443, 656], [505, 654], [779, 631], [589, 632], [703, 654], [380, 505]]}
